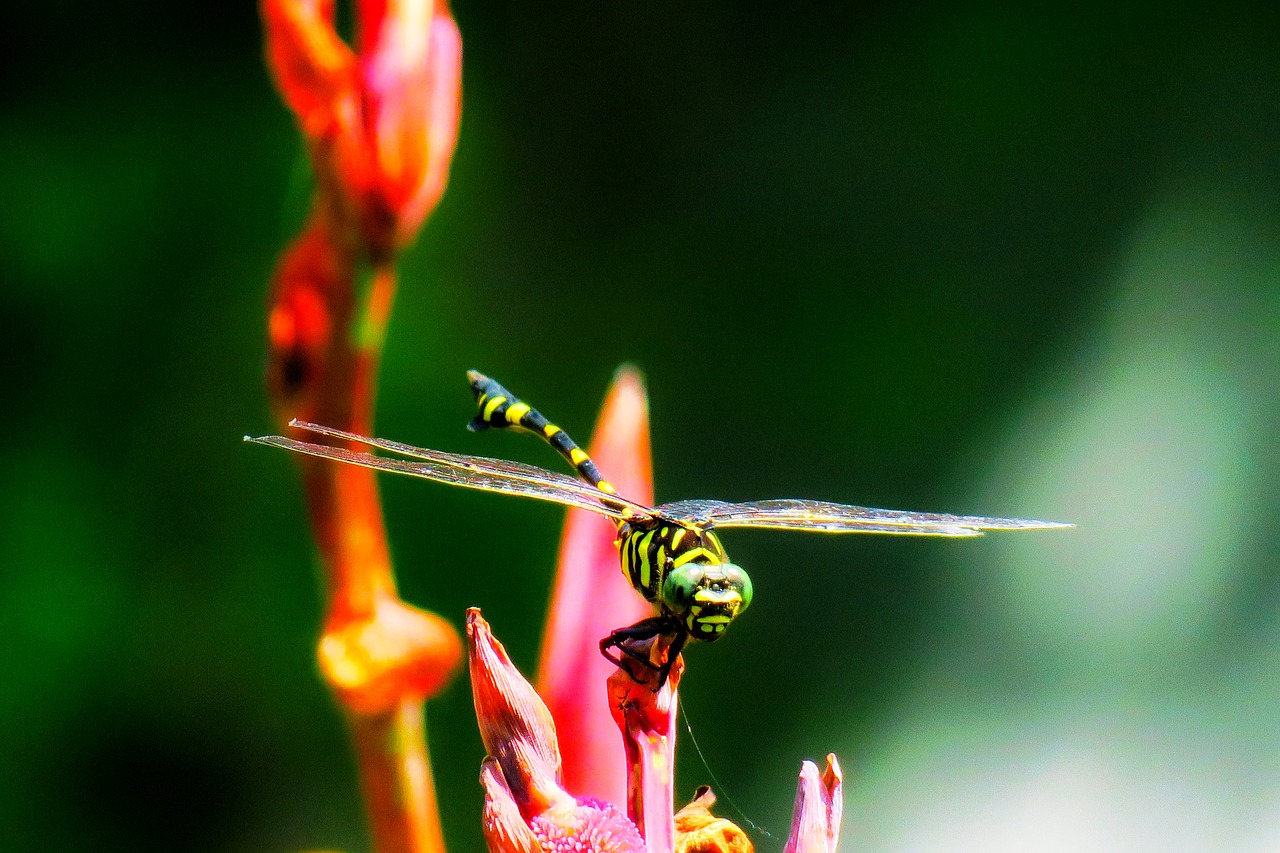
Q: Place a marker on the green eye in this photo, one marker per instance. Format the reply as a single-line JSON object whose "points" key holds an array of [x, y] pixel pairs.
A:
{"points": [[744, 588], [680, 585]]}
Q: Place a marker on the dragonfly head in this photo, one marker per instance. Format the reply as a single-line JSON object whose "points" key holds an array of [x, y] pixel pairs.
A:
{"points": [[706, 597]]}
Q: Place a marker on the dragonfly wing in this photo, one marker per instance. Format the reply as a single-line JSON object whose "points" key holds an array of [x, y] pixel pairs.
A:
{"points": [[826, 517], [472, 472]]}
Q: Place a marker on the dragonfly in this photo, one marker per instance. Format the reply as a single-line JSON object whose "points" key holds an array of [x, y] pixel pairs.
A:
{"points": [[670, 554]]}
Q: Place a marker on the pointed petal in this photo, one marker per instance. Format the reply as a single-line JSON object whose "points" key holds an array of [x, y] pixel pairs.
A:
{"points": [[699, 831], [505, 830], [592, 598], [815, 823], [514, 724]]}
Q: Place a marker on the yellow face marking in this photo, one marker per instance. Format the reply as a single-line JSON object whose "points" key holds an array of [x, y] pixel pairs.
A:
{"points": [[516, 412], [492, 406], [576, 456]]}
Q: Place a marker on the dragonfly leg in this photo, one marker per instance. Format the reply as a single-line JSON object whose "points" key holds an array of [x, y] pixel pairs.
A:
{"points": [[631, 643]]}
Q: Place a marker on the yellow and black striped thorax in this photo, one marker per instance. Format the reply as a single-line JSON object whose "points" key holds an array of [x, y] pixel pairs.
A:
{"points": [[650, 553], [501, 409]]}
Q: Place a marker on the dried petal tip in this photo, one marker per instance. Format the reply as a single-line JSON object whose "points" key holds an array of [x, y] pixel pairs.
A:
{"points": [[699, 831], [514, 724], [815, 823]]}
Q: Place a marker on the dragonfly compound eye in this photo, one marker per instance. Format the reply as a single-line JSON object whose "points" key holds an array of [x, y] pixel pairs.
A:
{"points": [[707, 597], [680, 586], [736, 578]]}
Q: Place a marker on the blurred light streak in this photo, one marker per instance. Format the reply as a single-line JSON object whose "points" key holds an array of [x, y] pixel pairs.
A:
{"points": [[1082, 703]]}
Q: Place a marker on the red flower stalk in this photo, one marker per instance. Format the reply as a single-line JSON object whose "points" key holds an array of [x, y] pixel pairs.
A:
{"points": [[645, 713], [380, 124]]}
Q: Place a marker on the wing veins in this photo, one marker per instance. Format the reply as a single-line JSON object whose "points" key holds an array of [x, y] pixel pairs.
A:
{"points": [[827, 517], [474, 472]]}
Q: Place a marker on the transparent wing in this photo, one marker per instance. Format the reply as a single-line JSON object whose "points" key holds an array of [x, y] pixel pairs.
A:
{"points": [[826, 517], [472, 472]]}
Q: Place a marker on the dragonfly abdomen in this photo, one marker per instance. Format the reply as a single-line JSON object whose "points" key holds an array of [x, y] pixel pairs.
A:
{"points": [[501, 409]]}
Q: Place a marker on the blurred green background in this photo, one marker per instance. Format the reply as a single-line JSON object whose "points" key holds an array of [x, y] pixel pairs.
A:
{"points": [[972, 257]]}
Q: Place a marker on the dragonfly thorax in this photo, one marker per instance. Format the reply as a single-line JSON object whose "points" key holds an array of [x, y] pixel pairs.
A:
{"points": [[683, 569]]}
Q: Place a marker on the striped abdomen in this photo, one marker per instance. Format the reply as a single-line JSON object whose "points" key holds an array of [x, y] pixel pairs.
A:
{"points": [[499, 408], [649, 553]]}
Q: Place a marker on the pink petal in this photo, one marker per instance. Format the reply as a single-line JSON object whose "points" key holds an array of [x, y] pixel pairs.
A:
{"points": [[504, 828], [411, 61], [514, 724], [815, 823], [438, 133], [592, 598], [526, 810]]}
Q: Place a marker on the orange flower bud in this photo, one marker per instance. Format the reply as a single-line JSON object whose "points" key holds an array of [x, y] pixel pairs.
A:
{"points": [[301, 325], [398, 653]]}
